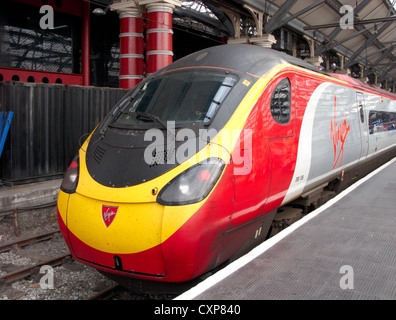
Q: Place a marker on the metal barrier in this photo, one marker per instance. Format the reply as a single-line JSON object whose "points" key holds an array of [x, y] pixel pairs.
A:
{"points": [[48, 122]]}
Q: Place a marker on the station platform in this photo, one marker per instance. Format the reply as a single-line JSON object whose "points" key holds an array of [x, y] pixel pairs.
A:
{"points": [[344, 250], [29, 195]]}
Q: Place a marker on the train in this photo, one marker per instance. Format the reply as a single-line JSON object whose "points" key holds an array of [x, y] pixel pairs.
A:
{"points": [[206, 157]]}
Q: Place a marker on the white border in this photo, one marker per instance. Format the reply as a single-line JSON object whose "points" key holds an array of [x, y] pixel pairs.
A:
{"points": [[304, 153], [237, 264]]}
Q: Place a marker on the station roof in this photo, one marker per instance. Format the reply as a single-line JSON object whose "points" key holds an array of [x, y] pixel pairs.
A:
{"points": [[371, 42]]}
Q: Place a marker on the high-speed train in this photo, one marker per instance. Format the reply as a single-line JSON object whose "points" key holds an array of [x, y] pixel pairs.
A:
{"points": [[193, 164]]}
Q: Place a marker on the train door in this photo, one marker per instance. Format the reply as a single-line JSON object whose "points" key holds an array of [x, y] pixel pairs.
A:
{"points": [[272, 135], [282, 140], [272, 124], [363, 123]]}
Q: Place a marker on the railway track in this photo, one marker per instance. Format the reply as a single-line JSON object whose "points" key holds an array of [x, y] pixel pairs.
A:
{"points": [[21, 260], [27, 240], [108, 293], [30, 270], [72, 280]]}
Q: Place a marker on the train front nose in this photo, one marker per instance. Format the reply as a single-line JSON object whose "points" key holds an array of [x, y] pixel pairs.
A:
{"points": [[117, 236]]}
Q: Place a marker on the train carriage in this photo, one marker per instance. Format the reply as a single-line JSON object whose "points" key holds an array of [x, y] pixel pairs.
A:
{"points": [[194, 164]]}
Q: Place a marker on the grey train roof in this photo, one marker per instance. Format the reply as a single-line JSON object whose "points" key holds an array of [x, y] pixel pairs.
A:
{"points": [[241, 57]]}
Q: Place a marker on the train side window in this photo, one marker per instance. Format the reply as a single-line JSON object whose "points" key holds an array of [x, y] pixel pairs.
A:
{"points": [[381, 121], [280, 104], [361, 112]]}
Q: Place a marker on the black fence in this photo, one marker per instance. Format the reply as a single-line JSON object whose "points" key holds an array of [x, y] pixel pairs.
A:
{"points": [[49, 123]]}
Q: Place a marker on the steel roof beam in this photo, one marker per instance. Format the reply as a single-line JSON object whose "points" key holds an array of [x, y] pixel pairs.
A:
{"points": [[367, 43], [278, 16], [296, 15], [336, 7], [358, 22], [330, 46], [380, 50], [371, 38], [200, 17], [387, 52], [386, 73], [373, 66], [222, 17]]}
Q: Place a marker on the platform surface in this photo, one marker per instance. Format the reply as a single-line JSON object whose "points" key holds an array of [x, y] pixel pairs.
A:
{"points": [[345, 250], [29, 195]]}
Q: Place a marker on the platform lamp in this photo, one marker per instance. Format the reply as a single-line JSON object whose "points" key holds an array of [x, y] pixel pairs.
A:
{"points": [[100, 11]]}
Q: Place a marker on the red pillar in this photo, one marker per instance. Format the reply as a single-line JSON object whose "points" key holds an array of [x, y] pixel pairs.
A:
{"points": [[159, 36], [131, 49], [85, 51]]}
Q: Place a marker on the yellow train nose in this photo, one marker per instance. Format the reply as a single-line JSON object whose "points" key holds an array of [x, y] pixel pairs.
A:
{"points": [[114, 235], [115, 227]]}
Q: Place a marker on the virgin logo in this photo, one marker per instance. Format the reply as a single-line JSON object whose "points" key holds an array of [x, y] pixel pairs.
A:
{"points": [[108, 214], [338, 133]]}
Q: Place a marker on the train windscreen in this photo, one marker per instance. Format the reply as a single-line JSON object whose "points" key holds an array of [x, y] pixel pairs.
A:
{"points": [[183, 97]]}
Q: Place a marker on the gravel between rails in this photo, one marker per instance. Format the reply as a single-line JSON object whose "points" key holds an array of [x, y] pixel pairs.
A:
{"points": [[71, 280]]}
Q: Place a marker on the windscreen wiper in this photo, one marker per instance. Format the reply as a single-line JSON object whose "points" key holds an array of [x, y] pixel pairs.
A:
{"points": [[152, 117]]}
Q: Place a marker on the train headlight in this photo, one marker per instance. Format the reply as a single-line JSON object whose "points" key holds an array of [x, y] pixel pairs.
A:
{"points": [[192, 185], [69, 183]]}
